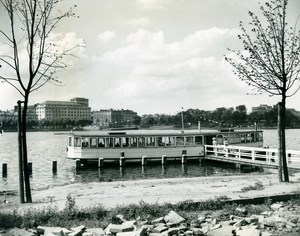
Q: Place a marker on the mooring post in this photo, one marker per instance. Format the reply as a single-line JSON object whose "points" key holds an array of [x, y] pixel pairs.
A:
{"points": [[100, 162], [54, 167], [78, 164], [4, 169], [164, 159], [30, 167], [183, 159], [122, 159], [144, 160]]}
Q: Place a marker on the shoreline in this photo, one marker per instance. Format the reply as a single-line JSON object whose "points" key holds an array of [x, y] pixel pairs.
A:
{"points": [[112, 194]]}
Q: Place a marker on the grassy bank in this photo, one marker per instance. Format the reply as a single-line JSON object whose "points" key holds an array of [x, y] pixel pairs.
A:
{"points": [[98, 216]]}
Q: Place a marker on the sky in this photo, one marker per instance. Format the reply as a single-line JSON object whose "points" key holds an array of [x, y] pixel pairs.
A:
{"points": [[153, 56]]}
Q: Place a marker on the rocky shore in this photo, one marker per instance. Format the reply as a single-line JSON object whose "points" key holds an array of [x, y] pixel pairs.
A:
{"points": [[281, 219]]}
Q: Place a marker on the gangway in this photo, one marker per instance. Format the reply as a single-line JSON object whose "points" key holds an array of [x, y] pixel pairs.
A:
{"points": [[265, 157]]}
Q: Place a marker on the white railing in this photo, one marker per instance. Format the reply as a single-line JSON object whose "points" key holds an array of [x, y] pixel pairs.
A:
{"points": [[252, 155]]}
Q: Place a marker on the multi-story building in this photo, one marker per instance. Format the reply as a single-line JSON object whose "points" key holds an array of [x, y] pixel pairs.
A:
{"points": [[262, 108], [114, 118], [76, 109], [8, 115]]}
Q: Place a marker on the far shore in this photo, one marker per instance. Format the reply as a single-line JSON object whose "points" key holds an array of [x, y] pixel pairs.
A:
{"points": [[111, 194]]}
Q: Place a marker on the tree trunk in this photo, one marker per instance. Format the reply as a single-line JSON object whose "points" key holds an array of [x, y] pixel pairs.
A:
{"points": [[279, 143], [21, 170], [24, 146], [284, 162]]}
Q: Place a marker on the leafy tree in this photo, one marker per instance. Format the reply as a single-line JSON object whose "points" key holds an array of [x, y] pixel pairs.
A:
{"points": [[270, 62], [33, 48]]}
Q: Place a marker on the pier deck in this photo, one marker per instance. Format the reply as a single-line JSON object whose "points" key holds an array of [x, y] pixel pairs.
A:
{"points": [[264, 157]]}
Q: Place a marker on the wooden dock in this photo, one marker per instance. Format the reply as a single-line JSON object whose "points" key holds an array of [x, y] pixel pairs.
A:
{"points": [[255, 156]]}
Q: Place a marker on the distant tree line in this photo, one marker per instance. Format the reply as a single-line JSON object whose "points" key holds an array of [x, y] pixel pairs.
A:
{"points": [[62, 124], [221, 117]]}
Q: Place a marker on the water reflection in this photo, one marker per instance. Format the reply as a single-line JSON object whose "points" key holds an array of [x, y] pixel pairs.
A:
{"points": [[133, 171]]}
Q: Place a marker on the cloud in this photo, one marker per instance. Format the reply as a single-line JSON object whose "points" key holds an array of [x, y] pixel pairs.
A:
{"points": [[107, 36], [140, 22], [154, 4], [147, 68]]}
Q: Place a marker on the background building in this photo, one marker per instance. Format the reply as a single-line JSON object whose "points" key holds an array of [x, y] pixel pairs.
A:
{"points": [[76, 109], [262, 108], [114, 118]]}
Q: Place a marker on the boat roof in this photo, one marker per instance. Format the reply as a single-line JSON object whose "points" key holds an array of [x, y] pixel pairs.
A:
{"points": [[141, 133]]}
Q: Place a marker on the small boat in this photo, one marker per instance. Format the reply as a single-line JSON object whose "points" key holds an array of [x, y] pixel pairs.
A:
{"points": [[133, 145]]}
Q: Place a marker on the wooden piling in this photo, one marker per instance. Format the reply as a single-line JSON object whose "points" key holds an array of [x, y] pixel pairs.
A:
{"points": [[144, 160], [54, 166], [122, 161], [164, 159], [183, 159], [78, 164], [30, 167], [100, 162], [4, 169]]}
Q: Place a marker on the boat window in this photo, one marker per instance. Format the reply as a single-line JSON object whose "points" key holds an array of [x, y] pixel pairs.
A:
{"points": [[243, 140], [117, 143], [109, 142], [220, 139], [260, 136], [150, 141], [189, 141], [77, 142], [70, 143], [230, 138], [133, 142], [161, 141], [237, 138], [141, 142], [93, 142], [249, 138], [170, 141], [179, 141], [85, 142], [198, 140], [101, 142], [125, 142]]}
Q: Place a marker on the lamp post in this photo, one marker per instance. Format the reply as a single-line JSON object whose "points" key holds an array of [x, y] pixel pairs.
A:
{"points": [[182, 123]]}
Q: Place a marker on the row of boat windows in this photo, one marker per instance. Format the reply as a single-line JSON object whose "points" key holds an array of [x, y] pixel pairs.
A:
{"points": [[121, 142], [163, 141]]}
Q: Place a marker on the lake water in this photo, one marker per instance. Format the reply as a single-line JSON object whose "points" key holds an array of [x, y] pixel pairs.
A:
{"points": [[45, 147]]}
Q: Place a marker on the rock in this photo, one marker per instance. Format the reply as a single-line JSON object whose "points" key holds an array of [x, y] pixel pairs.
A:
{"points": [[248, 231], [17, 231], [56, 231], [159, 229], [96, 231], [76, 233], [239, 223], [173, 218], [217, 226], [82, 228], [241, 210], [223, 231], [158, 220], [276, 206]]}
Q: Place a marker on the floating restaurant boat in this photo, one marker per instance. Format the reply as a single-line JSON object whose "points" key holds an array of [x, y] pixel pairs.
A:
{"points": [[138, 145]]}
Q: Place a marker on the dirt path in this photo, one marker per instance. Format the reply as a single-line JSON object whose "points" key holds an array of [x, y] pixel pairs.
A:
{"points": [[110, 194]]}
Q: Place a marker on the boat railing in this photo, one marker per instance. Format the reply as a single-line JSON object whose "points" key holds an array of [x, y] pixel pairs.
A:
{"points": [[268, 156]]}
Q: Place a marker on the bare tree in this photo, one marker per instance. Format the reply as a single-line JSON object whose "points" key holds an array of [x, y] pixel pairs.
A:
{"points": [[270, 62], [35, 54]]}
